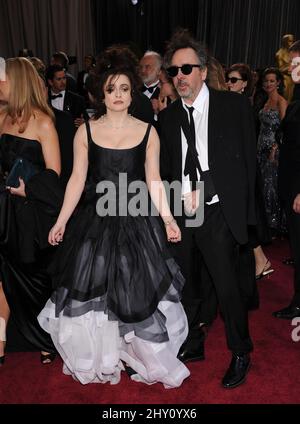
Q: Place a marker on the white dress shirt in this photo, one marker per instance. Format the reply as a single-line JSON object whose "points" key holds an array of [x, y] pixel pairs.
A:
{"points": [[200, 115], [148, 93], [59, 102]]}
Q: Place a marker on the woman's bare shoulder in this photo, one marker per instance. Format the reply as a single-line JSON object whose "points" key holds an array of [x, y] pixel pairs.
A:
{"points": [[139, 123], [282, 101], [43, 121]]}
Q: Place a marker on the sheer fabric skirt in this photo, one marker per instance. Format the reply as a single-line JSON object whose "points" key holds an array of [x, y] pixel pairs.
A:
{"points": [[117, 298], [93, 349]]}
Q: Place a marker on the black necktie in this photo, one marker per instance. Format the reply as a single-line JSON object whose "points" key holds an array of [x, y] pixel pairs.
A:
{"points": [[55, 96], [190, 164]]}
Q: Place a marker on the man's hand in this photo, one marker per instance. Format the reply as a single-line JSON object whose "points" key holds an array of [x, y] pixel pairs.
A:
{"points": [[79, 121], [191, 202]]}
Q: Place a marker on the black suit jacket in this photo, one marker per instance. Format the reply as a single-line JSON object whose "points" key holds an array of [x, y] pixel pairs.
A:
{"points": [[65, 128], [289, 157], [155, 94], [141, 108], [231, 155], [75, 105]]}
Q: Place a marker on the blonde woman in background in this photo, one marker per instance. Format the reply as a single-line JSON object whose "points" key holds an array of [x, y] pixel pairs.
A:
{"points": [[27, 132]]}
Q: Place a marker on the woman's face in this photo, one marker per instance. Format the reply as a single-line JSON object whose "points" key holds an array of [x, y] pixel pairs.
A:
{"points": [[4, 89], [235, 82], [270, 83], [117, 93]]}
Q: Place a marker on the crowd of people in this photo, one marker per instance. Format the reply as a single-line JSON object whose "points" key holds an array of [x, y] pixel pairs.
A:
{"points": [[100, 261]]}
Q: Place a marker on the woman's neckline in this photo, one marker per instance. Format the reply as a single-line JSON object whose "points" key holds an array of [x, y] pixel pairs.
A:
{"points": [[22, 138], [112, 148], [124, 148]]}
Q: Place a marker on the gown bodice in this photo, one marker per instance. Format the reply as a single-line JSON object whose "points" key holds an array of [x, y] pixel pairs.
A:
{"points": [[13, 147], [107, 164]]}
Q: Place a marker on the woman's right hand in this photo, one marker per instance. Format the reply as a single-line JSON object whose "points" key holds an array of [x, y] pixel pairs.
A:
{"points": [[173, 231], [56, 234]]}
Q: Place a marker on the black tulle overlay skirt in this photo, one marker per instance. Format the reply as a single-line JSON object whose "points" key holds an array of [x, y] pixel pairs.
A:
{"points": [[117, 298]]}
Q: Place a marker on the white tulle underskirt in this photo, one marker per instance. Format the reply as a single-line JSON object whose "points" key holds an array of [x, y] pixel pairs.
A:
{"points": [[93, 350]]}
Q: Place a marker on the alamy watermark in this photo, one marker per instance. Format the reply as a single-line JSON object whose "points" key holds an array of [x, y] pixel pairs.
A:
{"points": [[2, 69], [132, 199], [296, 331]]}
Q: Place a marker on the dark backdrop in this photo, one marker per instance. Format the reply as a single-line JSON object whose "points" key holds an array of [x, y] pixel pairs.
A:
{"points": [[234, 30]]}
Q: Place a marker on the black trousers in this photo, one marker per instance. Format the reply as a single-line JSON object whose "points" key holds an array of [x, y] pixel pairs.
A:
{"points": [[214, 244], [293, 223]]}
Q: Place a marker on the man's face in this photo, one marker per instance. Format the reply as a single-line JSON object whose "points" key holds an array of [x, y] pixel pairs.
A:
{"points": [[294, 67], [188, 86], [149, 69], [59, 82]]}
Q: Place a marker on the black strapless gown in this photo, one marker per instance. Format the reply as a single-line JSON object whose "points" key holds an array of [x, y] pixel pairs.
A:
{"points": [[24, 256], [117, 294]]}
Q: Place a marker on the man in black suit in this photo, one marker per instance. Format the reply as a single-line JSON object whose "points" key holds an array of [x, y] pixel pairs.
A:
{"points": [[63, 99], [213, 141], [289, 180], [150, 66], [61, 58], [66, 130]]}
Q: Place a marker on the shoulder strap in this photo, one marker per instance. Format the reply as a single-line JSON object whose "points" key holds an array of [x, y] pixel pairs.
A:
{"points": [[147, 132], [88, 131]]}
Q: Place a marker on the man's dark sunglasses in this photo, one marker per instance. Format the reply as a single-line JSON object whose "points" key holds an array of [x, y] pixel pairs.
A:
{"points": [[233, 80], [185, 69]]}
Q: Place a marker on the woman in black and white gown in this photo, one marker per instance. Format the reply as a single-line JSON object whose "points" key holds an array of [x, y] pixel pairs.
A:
{"points": [[117, 297]]}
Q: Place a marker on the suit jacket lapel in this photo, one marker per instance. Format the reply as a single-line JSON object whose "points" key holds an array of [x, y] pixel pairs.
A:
{"points": [[212, 131], [66, 101]]}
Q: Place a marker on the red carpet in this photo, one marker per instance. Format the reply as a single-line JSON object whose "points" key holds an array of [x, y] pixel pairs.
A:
{"points": [[274, 376]]}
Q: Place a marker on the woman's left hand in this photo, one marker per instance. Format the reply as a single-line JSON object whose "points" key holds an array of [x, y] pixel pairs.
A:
{"points": [[18, 191], [173, 232]]}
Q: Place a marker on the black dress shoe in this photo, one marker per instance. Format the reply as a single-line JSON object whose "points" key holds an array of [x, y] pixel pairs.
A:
{"points": [[287, 313], [2, 358], [186, 355], [47, 358], [237, 371], [130, 371]]}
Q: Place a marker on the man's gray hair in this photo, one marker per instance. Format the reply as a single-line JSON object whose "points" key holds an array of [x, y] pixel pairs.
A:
{"points": [[158, 57]]}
